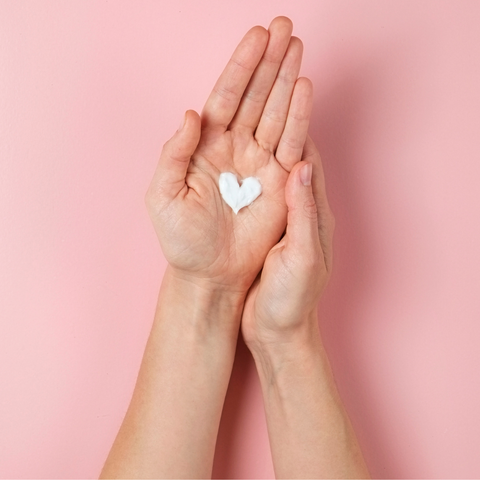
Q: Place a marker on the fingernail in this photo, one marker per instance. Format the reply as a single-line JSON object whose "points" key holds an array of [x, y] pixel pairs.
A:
{"points": [[182, 123], [306, 174]]}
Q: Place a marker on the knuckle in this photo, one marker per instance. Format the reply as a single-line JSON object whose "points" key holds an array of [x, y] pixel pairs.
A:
{"points": [[310, 208], [326, 223], [271, 57], [292, 142], [225, 92], [287, 76], [268, 147], [254, 95], [275, 115]]}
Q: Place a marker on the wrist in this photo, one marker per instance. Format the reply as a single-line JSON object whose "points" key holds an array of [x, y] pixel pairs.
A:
{"points": [[198, 305], [285, 372], [266, 336], [280, 356]]}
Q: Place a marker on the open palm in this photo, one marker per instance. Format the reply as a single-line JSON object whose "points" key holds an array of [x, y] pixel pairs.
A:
{"points": [[254, 123]]}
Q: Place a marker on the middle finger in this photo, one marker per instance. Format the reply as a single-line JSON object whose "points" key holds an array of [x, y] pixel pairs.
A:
{"points": [[260, 85]]}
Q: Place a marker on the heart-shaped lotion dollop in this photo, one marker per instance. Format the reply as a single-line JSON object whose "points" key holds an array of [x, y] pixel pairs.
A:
{"points": [[238, 196]]}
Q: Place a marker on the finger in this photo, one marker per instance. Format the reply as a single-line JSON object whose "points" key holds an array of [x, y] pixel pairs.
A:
{"points": [[260, 85], [169, 177], [302, 227], [325, 217], [274, 115], [222, 103], [290, 146]]}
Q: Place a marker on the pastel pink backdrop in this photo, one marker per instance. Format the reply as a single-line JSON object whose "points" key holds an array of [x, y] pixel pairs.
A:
{"points": [[89, 92]]}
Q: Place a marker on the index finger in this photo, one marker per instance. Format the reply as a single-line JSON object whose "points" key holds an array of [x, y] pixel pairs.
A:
{"points": [[223, 102]]}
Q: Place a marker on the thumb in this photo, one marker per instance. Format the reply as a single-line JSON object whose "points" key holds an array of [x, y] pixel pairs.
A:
{"points": [[302, 221], [169, 177]]}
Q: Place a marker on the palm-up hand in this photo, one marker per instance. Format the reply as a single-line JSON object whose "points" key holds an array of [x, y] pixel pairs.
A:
{"points": [[254, 123]]}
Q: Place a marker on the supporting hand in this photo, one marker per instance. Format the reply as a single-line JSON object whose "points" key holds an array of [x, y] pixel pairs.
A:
{"points": [[298, 268], [310, 433]]}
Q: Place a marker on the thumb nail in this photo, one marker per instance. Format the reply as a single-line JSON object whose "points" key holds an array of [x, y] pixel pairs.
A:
{"points": [[182, 123], [306, 174]]}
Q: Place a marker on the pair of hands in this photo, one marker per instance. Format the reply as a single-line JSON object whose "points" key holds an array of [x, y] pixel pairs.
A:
{"points": [[254, 123]]}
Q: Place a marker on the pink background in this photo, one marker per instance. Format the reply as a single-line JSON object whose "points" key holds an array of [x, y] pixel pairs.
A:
{"points": [[89, 92]]}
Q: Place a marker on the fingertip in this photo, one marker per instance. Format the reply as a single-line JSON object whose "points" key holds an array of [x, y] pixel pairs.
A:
{"points": [[305, 174], [306, 86], [185, 140], [259, 33], [302, 175], [302, 229], [182, 123], [281, 23], [297, 43], [191, 125], [192, 116]]}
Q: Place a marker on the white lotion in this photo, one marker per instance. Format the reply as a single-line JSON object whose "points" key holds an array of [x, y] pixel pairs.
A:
{"points": [[237, 196]]}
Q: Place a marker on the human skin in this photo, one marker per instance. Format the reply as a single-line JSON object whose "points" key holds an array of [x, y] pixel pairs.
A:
{"points": [[255, 122], [310, 433]]}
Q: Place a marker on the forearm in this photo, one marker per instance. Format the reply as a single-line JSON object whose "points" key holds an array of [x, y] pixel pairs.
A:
{"points": [[310, 433], [171, 425]]}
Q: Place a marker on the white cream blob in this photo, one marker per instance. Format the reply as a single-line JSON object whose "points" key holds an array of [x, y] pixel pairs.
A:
{"points": [[237, 196]]}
